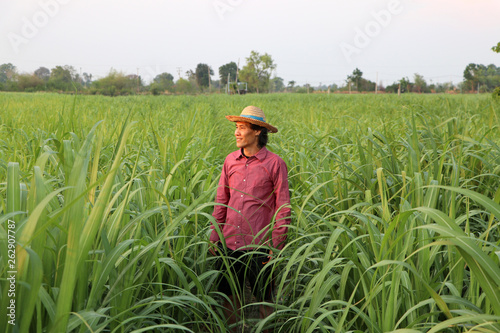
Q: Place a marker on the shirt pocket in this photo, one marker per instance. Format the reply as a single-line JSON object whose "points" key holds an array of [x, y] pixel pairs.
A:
{"points": [[263, 188], [234, 177]]}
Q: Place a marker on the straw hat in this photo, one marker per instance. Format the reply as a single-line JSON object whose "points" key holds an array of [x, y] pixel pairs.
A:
{"points": [[253, 115]]}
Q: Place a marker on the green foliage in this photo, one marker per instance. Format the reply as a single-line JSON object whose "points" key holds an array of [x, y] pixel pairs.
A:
{"points": [[28, 82], [419, 83], [395, 210], [486, 77], [42, 73], [229, 69], [257, 72], [63, 78], [162, 82], [202, 74], [155, 89], [7, 72], [496, 93], [117, 83], [277, 84], [404, 84], [496, 48], [184, 86], [360, 83]]}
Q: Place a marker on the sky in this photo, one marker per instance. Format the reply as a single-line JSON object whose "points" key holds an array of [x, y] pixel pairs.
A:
{"points": [[314, 41]]}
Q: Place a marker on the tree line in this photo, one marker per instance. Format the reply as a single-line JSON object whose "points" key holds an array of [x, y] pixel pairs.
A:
{"points": [[256, 76]]}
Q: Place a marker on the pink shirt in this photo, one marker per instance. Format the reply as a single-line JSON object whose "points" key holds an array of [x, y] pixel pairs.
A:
{"points": [[255, 189]]}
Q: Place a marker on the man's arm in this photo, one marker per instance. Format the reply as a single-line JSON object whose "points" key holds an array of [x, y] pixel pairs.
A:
{"points": [[222, 197], [283, 219]]}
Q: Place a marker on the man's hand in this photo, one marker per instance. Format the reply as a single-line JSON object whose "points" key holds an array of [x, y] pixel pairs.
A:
{"points": [[269, 257], [213, 249]]}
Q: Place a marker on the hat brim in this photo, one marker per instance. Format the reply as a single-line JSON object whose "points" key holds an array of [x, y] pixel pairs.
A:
{"points": [[271, 128]]}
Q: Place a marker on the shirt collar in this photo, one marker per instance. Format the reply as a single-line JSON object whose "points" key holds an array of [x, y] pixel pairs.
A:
{"points": [[261, 154]]}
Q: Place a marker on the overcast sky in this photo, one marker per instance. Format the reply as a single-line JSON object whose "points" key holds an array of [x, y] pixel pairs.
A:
{"points": [[314, 41]]}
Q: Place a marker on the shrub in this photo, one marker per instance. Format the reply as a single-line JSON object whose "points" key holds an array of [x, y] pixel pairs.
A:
{"points": [[496, 93]]}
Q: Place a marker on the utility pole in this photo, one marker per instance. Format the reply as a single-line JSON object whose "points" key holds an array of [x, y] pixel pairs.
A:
{"points": [[209, 83], [376, 85], [137, 80], [179, 69], [237, 88], [269, 84]]}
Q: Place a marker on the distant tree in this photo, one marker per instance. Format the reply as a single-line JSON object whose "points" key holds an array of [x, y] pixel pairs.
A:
{"points": [[153, 89], [392, 88], [228, 69], [471, 76], [277, 84], [183, 86], [163, 82], [62, 77], [359, 82], [43, 73], [191, 75], [117, 83], [443, 87], [291, 84], [405, 85], [29, 82], [135, 82], [87, 79], [305, 89], [164, 78], [257, 71], [202, 74], [355, 78], [484, 77], [7, 72], [420, 85]]}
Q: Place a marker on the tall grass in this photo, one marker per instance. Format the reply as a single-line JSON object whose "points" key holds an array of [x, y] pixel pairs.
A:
{"points": [[395, 205]]}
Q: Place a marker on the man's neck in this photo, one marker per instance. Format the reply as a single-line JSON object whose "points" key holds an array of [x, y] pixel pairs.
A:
{"points": [[250, 151]]}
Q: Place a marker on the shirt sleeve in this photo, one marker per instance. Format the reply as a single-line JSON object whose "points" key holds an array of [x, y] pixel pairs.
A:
{"points": [[222, 197], [283, 218]]}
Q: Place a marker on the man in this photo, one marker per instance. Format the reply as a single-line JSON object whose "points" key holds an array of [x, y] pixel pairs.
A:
{"points": [[254, 185]]}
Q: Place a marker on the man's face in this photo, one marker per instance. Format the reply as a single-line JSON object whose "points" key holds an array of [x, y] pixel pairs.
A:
{"points": [[245, 136]]}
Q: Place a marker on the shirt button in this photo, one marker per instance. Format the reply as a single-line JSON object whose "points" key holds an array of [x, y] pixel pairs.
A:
{"points": [[246, 165], [244, 180], [242, 195]]}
